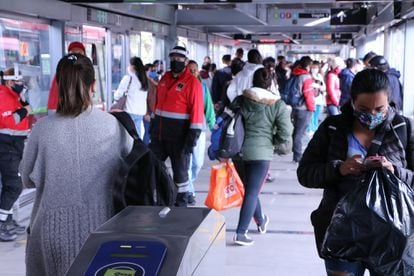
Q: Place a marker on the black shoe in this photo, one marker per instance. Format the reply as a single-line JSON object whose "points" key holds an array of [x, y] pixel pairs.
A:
{"points": [[181, 200], [269, 178], [5, 234], [242, 239], [262, 228], [191, 199]]}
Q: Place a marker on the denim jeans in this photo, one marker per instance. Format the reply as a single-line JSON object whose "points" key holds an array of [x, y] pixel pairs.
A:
{"points": [[301, 120], [255, 175], [332, 109], [147, 138], [138, 122], [196, 161], [351, 268], [314, 122]]}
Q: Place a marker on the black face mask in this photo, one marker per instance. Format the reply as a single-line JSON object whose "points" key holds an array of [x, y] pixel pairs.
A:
{"points": [[177, 66], [18, 88]]}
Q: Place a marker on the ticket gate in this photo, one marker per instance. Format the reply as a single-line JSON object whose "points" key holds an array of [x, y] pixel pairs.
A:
{"points": [[147, 240]]}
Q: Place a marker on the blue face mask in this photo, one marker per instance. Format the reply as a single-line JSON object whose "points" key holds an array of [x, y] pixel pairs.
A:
{"points": [[371, 121], [153, 74]]}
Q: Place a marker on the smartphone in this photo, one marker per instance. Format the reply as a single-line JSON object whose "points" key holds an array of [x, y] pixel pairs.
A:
{"points": [[371, 161]]}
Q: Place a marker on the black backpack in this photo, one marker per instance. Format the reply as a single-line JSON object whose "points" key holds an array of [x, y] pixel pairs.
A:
{"points": [[142, 179]]}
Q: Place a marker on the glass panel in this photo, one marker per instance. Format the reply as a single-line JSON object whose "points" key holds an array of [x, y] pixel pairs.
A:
{"points": [[27, 45], [118, 61], [94, 41], [147, 49], [135, 44]]}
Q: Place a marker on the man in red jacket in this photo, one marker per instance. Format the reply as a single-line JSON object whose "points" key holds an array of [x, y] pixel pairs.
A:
{"points": [[302, 114], [14, 128], [74, 47], [178, 119]]}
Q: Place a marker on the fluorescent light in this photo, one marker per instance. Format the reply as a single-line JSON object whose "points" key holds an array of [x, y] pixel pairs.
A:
{"points": [[318, 21]]}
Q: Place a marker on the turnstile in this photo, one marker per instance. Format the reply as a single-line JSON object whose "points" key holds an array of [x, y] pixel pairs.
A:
{"points": [[146, 240]]}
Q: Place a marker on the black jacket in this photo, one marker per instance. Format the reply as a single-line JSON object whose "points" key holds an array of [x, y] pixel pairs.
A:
{"points": [[319, 167]]}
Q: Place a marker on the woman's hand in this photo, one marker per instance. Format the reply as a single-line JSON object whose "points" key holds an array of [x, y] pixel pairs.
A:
{"points": [[381, 163], [352, 166]]}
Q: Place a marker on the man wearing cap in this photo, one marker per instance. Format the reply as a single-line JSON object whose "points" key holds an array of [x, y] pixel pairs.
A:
{"points": [[14, 128], [396, 95], [74, 47], [177, 120]]}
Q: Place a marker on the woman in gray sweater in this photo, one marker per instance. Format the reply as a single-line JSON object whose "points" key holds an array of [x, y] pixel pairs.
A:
{"points": [[71, 158]]}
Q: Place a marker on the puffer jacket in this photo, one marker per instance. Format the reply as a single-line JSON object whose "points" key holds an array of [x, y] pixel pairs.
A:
{"points": [[242, 81], [345, 80], [319, 166], [266, 122]]}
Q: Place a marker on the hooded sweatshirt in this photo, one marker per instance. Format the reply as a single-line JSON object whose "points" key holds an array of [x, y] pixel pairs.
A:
{"points": [[267, 123], [242, 81], [345, 80], [396, 88], [305, 86]]}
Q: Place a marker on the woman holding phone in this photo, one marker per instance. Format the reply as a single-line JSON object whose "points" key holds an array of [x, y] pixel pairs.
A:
{"points": [[336, 157]]}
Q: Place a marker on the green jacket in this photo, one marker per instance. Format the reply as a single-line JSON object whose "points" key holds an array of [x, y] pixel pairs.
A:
{"points": [[267, 123], [209, 113]]}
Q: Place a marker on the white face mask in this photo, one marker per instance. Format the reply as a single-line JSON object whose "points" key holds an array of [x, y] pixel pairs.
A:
{"points": [[315, 71]]}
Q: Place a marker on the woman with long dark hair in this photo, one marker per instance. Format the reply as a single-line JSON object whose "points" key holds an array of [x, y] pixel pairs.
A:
{"points": [[334, 158], [135, 84], [71, 158]]}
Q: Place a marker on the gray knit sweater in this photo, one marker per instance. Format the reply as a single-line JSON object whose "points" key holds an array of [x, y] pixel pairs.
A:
{"points": [[72, 162]]}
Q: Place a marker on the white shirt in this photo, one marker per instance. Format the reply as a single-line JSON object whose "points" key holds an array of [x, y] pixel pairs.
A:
{"points": [[242, 81], [137, 99]]}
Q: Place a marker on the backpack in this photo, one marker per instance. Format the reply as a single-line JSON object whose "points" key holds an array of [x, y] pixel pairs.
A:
{"points": [[228, 135], [142, 178], [291, 93]]}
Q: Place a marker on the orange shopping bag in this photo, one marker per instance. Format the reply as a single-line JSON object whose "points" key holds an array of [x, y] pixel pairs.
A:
{"points": [[226, 188]]}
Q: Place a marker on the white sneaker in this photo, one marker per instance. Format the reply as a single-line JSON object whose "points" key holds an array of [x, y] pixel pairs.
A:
{"points": [[262, 228]]}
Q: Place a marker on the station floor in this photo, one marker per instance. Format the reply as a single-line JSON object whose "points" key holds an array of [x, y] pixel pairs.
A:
{"points": [[287, 249]]}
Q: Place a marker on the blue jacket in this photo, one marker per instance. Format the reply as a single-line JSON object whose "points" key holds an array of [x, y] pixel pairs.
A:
{"points": [[345, 80], [396, 88]]}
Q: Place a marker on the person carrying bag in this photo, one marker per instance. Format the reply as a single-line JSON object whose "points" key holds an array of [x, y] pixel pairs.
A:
{"points": [[119, 105]]}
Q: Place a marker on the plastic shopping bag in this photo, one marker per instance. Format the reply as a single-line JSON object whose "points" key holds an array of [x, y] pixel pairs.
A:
{"points": [[226, 188], [374, 224]]}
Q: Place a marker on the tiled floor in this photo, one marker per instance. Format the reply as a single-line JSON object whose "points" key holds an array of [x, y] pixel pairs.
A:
{"points": [[287, 249]]}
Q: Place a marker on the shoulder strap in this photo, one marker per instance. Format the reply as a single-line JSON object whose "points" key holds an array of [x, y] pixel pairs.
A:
{"points": [[129, 85], [127, 123]]}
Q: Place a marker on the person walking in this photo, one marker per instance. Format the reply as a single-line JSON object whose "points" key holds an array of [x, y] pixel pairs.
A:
{"points": [[178, 120], [14, 128], [135, 84], [334, 158], [267, 123], [71, 158], [197, 156]]}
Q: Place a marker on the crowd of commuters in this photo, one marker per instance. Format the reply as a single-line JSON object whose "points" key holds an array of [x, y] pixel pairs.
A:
{"points": [[172, 111]]}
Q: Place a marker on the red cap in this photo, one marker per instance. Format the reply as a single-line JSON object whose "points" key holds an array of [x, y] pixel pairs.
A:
{"points": [[76, 44]]}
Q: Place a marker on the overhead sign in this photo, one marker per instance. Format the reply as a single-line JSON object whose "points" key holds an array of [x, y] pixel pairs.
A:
{"points": [[342, 36], [349, 16], [298, 17]]}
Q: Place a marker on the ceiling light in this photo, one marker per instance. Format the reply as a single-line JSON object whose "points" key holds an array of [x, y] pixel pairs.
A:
{"points": [[318, 21]]}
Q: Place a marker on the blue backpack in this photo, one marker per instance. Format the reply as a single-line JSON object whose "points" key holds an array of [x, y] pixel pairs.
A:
{"points": [[228, 135], [291, 93]]}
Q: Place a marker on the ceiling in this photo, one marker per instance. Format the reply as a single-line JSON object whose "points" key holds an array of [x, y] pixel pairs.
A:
{"points": [[274, 21]]}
